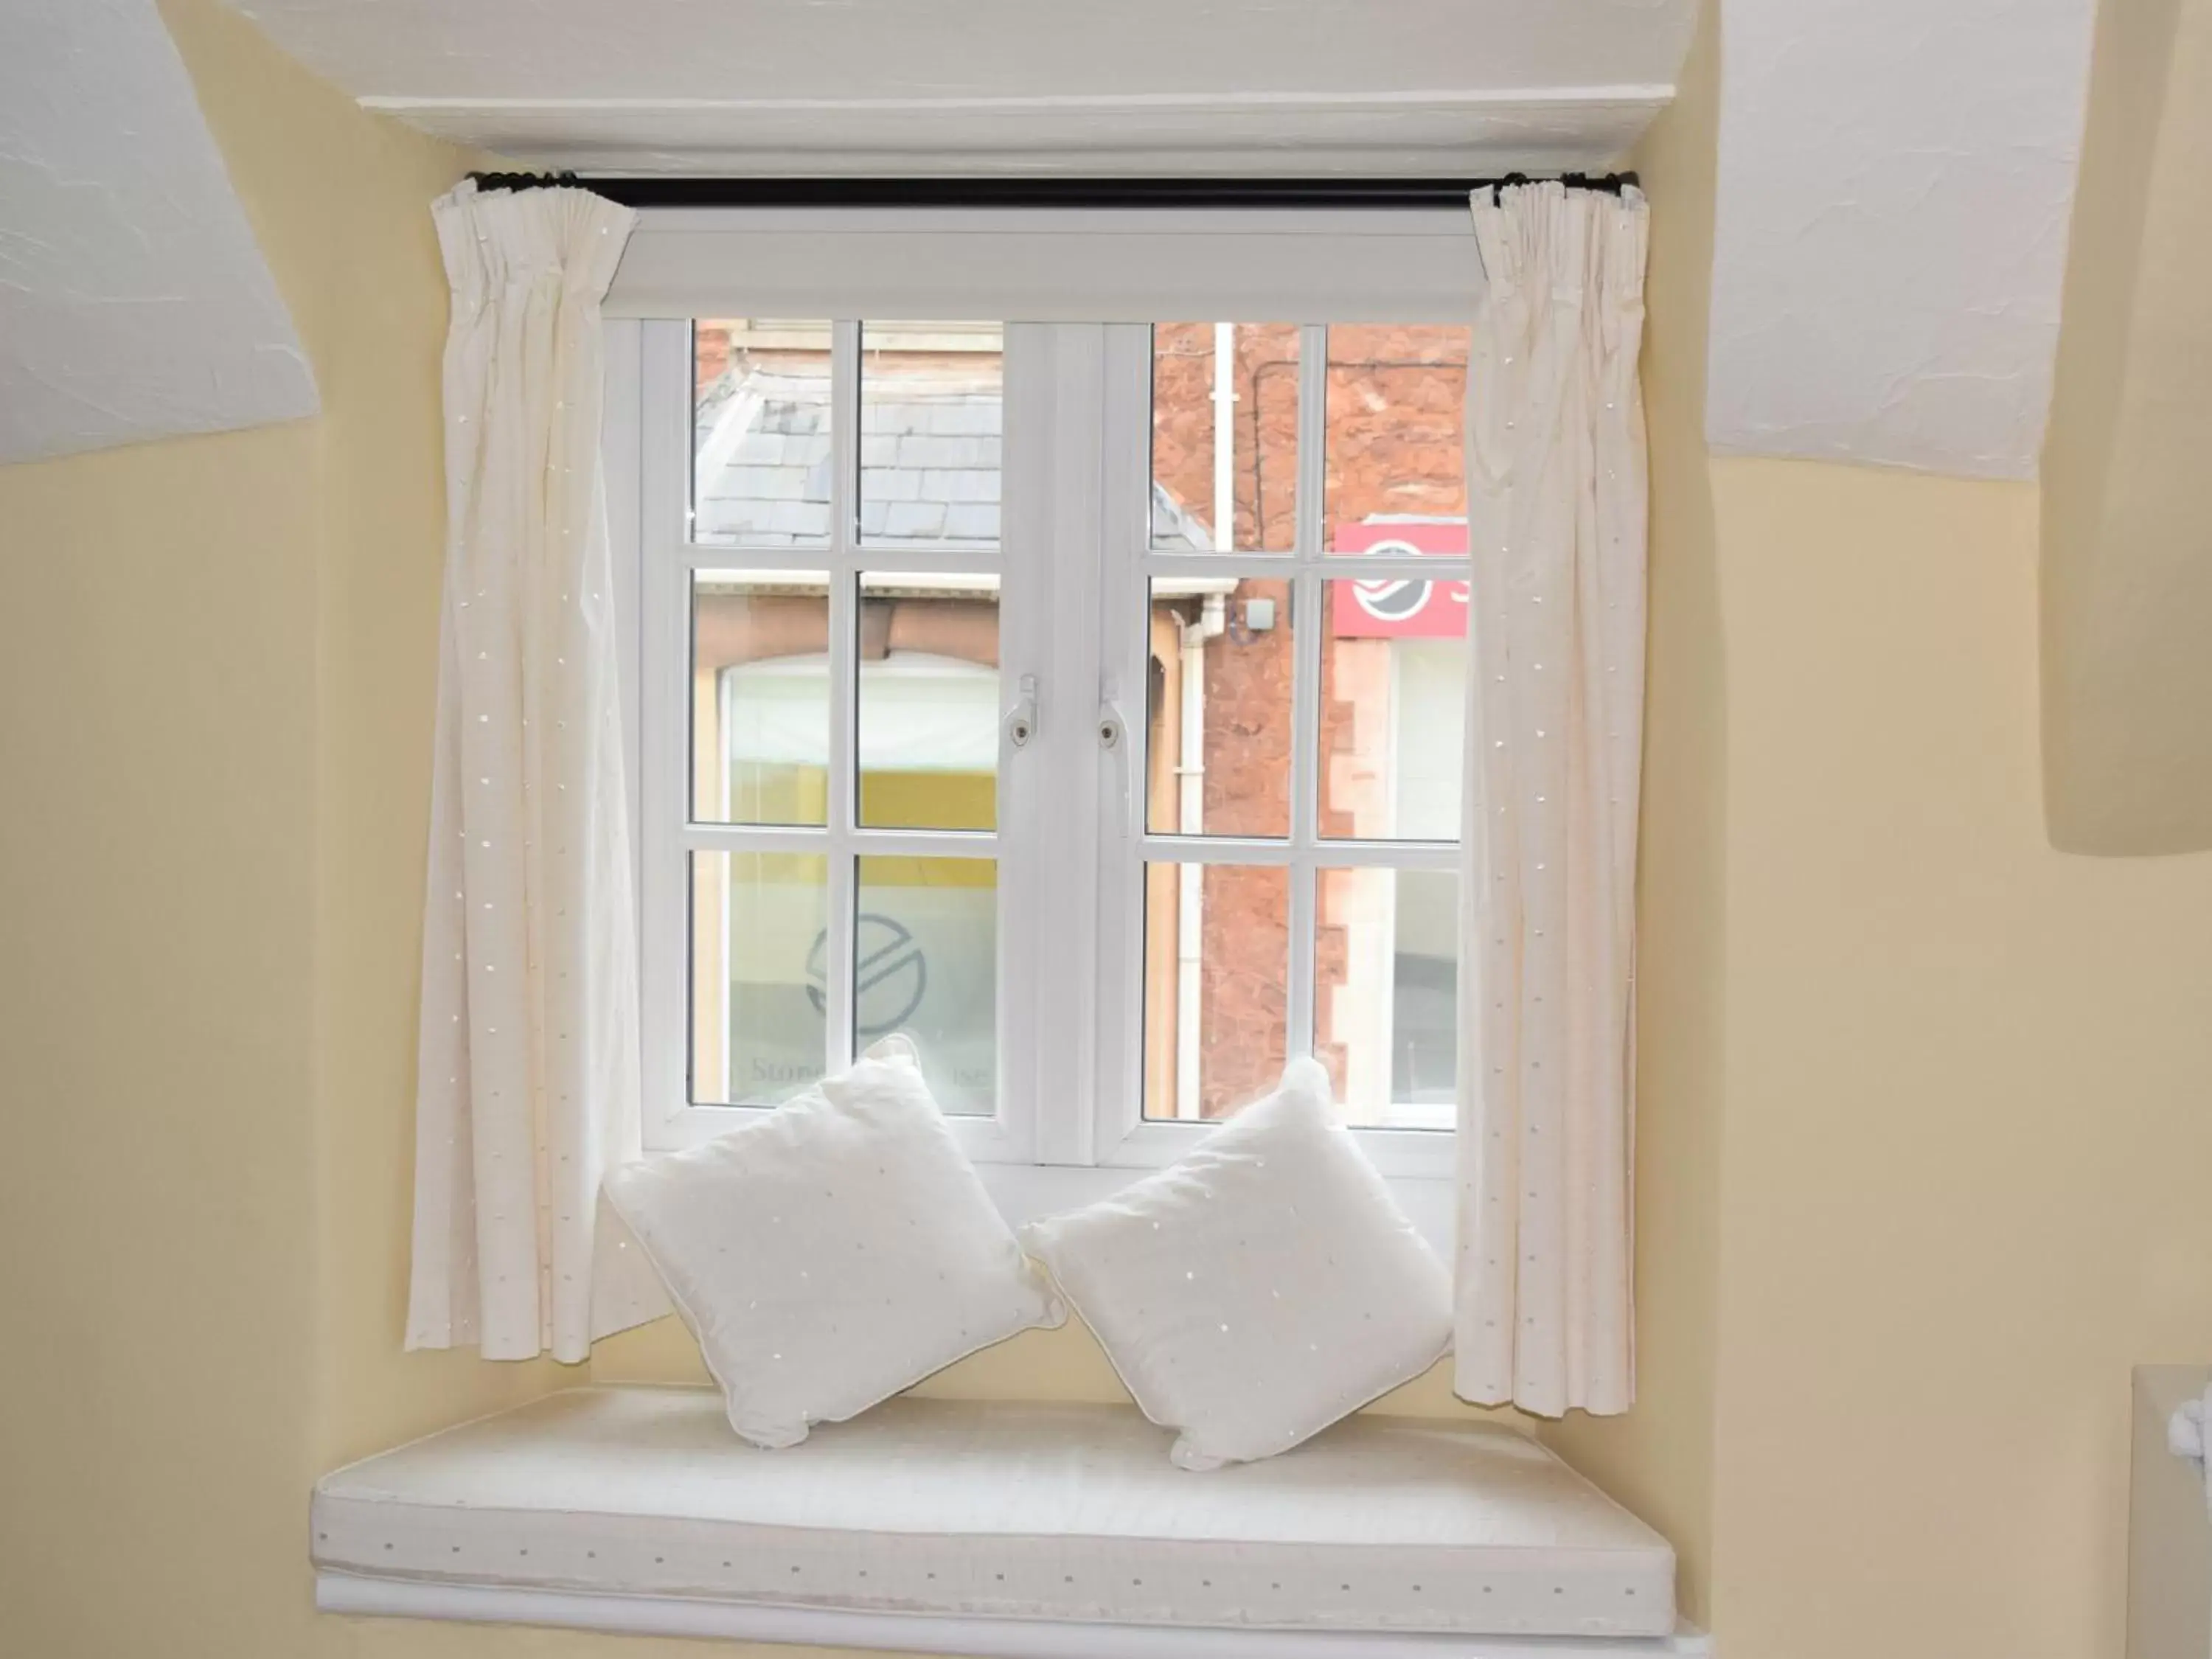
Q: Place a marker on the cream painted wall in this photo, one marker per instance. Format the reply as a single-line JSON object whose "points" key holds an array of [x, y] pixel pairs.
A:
{"points": [[157, 873], [214, 697], [1921, 1100], [2127, 556], [1967, 1130], [259, 615]]}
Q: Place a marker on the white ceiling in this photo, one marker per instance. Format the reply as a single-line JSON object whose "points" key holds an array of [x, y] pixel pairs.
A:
{"points": [[915, 86], [1896, 179], [134, 303]]}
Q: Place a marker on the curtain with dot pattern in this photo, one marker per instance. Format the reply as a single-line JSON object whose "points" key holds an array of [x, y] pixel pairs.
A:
{"points": [[528, 1077], [1556, 497]]}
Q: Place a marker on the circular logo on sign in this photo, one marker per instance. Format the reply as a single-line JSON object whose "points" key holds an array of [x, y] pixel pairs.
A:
{"points": [[1391, 599], [890, 974]]}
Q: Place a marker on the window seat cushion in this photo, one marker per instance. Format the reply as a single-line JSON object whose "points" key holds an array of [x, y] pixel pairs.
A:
{"points": [[992, 1511]]}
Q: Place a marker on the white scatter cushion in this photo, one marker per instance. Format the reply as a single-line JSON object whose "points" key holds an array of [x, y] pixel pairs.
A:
{"points": [[834, 1252], [1259, 1290]]}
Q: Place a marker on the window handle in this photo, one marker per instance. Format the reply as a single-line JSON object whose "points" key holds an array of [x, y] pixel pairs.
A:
{"points": [[1022, 718], [1112, 730]]}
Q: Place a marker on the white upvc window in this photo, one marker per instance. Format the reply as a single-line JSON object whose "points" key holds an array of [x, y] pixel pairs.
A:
{"points": [[1082, 698]]}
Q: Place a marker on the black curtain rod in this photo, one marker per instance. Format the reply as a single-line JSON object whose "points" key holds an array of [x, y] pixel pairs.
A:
{"points": [[672, 190]]}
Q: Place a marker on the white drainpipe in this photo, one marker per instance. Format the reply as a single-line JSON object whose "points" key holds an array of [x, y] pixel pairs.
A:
{"points": [[1224, 437], [1190, 773]]}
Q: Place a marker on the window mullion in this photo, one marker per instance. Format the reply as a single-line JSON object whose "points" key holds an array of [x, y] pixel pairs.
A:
{"points": [[1313, 437], [1309, 621], [844, 629], [1114, 1080], [1057, 517], [1305, 793]]}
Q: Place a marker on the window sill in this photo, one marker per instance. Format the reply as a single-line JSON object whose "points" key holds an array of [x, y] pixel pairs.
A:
{"points": [[1003, 1531]]}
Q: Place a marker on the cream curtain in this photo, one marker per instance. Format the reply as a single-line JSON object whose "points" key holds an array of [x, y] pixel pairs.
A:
{"points": [[1556, 488], [528, 1074]]}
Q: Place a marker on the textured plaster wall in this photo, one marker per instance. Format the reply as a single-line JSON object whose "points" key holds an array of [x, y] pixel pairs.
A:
{"points": [[1894, 185], [134, 303]]}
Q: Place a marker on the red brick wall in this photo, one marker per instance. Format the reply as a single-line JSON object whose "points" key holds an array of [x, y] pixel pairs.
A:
{"points": [[1396, 396], [1265, 379], [710, 353], [1245, 947]]}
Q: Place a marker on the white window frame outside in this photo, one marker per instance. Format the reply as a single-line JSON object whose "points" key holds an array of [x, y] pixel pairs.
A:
{"points": [[1069, 1127]]}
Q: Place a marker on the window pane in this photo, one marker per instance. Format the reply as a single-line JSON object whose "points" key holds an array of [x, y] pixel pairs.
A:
{"points": [[925, 962], [1217, 986], [1217, 751], [758, 941], [929, 702], [1392, 708], [931, 399], [1396, 407], [759, 697], [760, 459], [1255, 382], [1385, 995]]}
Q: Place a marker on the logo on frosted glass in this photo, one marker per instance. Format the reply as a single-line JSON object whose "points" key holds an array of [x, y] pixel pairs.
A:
{"points": [[890, 974]]}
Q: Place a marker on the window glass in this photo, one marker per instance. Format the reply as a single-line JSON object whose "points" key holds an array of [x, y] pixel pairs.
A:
{"points": [[1216, 985], [759, 697], [925, 962], [1393, 709], [1224, 412], [1396, 407], [1220, 665], [928, 701], [932, 402], [1385, 995], [761, 432], [1302, 645], [758, 944]]}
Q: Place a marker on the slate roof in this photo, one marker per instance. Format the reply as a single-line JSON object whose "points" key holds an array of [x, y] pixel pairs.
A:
{"points": [[929, 461]]}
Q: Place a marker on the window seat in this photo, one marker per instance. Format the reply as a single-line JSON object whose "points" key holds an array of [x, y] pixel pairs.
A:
{"points": [[995, 1529]]}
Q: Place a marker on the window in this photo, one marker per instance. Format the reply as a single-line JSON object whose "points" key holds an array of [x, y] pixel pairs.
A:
{"points": [[1296, 878], [1082, 698]]}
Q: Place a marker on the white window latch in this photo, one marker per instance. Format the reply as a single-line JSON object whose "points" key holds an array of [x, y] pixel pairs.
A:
{"points": [[1022, 719], [1113, 728]]}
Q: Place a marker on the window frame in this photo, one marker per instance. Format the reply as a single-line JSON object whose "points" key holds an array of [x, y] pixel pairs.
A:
{"points": [[1123, 1136], [1072, 1039], [662, 559]]}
